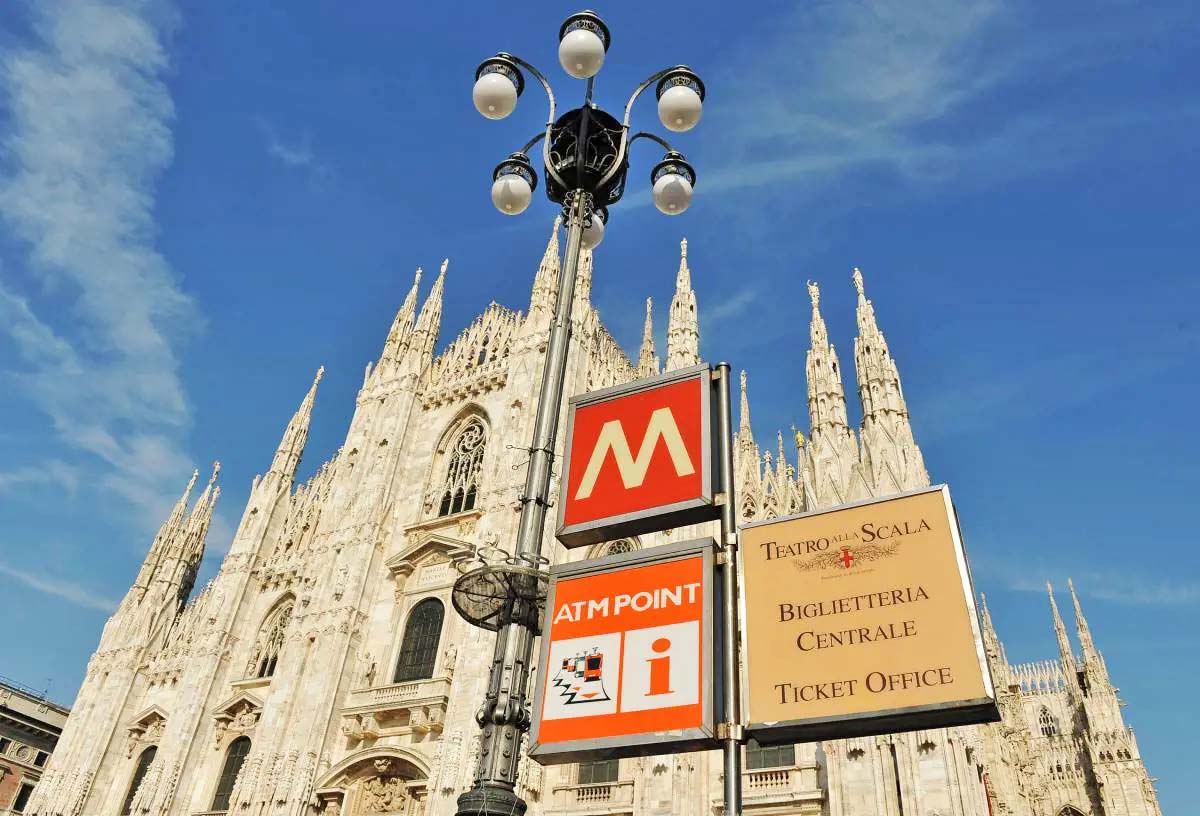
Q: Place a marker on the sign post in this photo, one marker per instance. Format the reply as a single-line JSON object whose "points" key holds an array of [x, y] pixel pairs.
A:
{"points": [[650, 455], [861, 620], [732, 732]]}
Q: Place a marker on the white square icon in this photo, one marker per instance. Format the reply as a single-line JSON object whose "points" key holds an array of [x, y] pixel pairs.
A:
{"points": [[660, 667]]}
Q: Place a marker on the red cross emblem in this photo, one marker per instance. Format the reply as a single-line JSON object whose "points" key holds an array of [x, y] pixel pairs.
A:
{"points": [[847, 558]]}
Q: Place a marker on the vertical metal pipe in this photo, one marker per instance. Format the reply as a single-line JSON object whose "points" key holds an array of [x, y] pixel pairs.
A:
{"points": [[504, 715], [732, 747]]}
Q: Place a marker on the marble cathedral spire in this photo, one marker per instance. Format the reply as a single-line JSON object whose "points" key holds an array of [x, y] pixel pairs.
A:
{"points": [[746, 458], [166, 534], [545, 282], [892, 461], [683, 330], [994, 648], [1065, 652], [648, 362], [832, 474], [429, 321], [295, 436], [1087, 646], [826, 396]]}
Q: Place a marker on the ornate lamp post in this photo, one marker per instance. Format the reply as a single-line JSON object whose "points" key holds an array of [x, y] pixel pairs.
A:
{"points": [[585, 157]]}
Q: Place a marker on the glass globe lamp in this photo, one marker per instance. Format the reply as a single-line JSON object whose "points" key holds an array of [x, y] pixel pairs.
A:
{"points": [[593, 230], [673, 179], [513, 183], [582, 43], [498, 83], [680, 99]]}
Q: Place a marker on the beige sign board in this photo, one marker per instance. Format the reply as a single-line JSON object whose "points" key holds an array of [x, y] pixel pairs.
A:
{"points": [[861, 620]]}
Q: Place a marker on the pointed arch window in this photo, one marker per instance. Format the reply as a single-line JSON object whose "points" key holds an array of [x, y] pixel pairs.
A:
{"points": [[418, 648], [139, 773], [461, 488], [270, 641], [235, 757], [1047, 723]]}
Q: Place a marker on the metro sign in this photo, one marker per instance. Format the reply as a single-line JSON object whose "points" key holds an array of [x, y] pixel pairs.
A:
{"points": [[626, 665], [639, 458]]}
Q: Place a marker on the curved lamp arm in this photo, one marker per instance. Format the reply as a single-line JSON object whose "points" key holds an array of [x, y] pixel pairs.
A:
{"points": [[549, 124], [656, 139], [650, 80], [532, 142]]}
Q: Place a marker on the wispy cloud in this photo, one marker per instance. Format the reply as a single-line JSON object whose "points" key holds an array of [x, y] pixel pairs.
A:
{"points": [[294, 152], [88, 134], [293, 155], [52, 471], [1116, 586], [67, 590], [735, 305], [895, 91]]}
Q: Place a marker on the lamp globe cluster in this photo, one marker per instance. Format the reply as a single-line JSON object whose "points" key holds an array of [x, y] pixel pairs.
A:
{"points": [[583, 42]]}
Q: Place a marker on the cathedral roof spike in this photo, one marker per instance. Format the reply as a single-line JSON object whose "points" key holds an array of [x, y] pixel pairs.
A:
{"points": [[744, 410], [545, 282], [295, 436], [647, 358], [1066, 653], [683, 330], [1087, 645], [892, 458]]}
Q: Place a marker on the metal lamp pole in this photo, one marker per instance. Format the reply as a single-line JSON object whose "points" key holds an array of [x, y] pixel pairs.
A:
{"points": [[586, 158]]}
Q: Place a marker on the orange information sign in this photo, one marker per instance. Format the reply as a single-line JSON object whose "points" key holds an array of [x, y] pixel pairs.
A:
{"points": [[627, 656], [638, 458]]}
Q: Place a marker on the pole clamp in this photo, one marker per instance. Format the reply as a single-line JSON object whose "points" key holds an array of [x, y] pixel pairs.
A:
{"points": [[733, 731]]}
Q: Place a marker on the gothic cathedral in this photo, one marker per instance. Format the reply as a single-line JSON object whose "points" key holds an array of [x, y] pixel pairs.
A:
{"points": [[322, 671]]}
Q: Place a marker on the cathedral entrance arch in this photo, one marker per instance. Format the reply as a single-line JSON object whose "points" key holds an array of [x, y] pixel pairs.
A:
{"points": [[381, 781]]}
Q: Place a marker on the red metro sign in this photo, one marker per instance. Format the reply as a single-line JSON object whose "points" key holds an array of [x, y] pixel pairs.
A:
{"points": [[639, 458]]}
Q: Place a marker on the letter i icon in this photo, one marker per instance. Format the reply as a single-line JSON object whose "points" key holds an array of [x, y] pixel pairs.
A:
{"points": [[660, 668]]}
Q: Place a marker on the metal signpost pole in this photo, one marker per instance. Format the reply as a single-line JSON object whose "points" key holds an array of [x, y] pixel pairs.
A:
{"points": [[732, 735], [586, 158], [504, 716]]}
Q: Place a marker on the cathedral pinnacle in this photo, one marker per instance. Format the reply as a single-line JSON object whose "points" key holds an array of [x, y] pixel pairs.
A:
{"points": [[744, 410], [1066, 653], [545, 282], [683, 330], [1086, 644], [295, 436], [647, 358]]}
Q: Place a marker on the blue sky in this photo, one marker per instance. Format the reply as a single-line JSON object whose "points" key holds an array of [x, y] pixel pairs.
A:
{"points": [[199, 205]]}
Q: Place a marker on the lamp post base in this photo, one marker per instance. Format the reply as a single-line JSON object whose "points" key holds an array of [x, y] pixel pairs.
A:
{"points": [[490, 799]]}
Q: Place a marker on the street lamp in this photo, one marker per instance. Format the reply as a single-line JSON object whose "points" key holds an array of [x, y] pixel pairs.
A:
{"points": [[585, 160]]}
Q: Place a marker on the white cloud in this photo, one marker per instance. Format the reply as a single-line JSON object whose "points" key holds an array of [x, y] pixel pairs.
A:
{"points": [[898, 91], [1121, 586], [68, 591], [51, 471], [88, 134], [735, 305], [299, 154]]}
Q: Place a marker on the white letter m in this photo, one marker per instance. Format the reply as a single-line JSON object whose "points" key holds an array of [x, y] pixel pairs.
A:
{"points": [[633, 471]]}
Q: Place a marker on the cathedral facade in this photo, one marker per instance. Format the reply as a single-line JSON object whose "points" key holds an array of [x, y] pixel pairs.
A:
{"points": [[323, 671]]}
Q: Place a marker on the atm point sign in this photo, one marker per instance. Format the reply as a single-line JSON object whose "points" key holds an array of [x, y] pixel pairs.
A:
{"points": [[639, 458], [626, 663]]}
